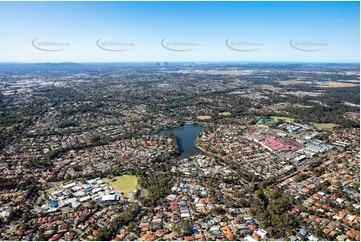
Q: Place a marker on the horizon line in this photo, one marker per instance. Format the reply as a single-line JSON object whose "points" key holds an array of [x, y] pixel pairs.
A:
{"points": [[123, 62]]}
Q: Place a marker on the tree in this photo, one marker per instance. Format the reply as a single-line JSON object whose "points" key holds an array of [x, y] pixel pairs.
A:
{"points": [[186, 228]]}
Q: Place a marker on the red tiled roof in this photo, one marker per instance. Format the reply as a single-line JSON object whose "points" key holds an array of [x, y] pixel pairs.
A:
{"points": [[189, 238], [54, 237], [342, 214], [252, 227], [351, 234]]}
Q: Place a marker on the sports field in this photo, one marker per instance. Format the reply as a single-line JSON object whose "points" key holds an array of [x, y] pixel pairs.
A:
{"points": [[286, 119], [324, 125], [290, 82], [204, 117], [124, 183], [339, 84], [225, 113]]}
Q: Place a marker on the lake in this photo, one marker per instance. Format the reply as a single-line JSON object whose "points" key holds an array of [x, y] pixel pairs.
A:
{"points": [[186, 136]]}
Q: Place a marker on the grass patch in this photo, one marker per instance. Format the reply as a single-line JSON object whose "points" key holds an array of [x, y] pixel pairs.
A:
{"points": [[54, 186], [124, 183], [146, 193], [204, 117], [225, 114], [290, 82], [303, 106], [285, 119], [339, 84], [324, 125]]}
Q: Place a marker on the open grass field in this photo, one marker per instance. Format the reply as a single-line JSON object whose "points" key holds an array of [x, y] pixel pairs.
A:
{"points": [[204, 117], [290, 82], [286, 119], [324, 125], [124, 183], [339, 84], [303, 106], [225, 113]]}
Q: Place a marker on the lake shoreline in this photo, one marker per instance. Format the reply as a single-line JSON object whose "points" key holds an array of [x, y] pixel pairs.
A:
{"points": [[187, 135]]}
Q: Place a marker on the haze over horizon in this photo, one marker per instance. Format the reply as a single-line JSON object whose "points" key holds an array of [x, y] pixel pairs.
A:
{"points": [[179, 32]]}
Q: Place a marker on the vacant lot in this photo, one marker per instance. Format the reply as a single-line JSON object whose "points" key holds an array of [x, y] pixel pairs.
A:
{"points": [[339, 84], [204, 117], [123, 183], [286, 119], [324, 125]]}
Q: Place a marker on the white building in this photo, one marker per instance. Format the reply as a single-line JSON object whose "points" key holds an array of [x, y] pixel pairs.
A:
{"points": [[107, 198], [70, 185]]}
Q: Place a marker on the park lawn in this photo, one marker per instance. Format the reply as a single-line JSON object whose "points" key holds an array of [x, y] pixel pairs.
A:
{"points": [[204, 117], [225, 113], [124, 183], [324, 125], [286, 119]]}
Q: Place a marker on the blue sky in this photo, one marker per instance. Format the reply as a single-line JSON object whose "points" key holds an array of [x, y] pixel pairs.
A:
{"points": [[260, 31]]}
